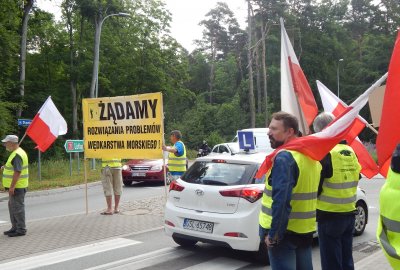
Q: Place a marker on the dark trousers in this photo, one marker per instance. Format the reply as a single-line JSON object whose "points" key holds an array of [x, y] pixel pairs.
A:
{"points": [[336, 242], [16, 207]]}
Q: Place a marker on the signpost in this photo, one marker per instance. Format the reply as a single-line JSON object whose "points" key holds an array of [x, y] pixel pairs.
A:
{"points": [[24, 122], [73, 146], [246, 140]]}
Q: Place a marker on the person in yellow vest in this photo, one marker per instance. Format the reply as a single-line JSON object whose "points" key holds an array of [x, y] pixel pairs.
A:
{"points": [[388, 232], [177, 161], [112, 183], [287, 216], [336, 205], [15, 180]]}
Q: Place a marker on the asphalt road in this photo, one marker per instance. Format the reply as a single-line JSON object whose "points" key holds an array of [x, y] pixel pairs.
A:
{"points": [[73, 202], [154, 250]]}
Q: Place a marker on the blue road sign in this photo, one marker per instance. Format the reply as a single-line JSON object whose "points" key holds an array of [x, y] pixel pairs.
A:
{"points": [[246, 140], [24, 122]]}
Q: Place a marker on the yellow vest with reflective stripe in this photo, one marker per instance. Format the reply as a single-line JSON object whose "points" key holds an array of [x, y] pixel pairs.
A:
{"points": [[177, 164], [339, 193], [112, 163], [388, 232], [302, 217], [8, 172]]}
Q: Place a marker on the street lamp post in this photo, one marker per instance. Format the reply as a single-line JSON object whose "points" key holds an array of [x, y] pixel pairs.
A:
{"points": [[338, 77], [97, 48], [95, 76]]}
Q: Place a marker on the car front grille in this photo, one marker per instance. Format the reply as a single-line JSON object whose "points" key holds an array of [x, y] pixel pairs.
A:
{"points": [[140, 168]]}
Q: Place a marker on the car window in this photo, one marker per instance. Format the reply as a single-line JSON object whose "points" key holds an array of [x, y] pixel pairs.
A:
{"points": [[215, 149], [223, 149], [219, 174]]}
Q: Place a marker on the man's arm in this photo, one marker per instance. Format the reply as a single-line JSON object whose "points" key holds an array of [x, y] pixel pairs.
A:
{"points": [[283, 178]]}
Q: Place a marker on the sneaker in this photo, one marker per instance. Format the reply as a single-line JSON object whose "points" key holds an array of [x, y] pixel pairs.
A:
{"points": [[9, 231], [15, 234]]}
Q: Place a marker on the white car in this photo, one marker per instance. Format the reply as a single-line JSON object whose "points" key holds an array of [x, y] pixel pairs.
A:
{"points": [[218, 201], [231, 148]]}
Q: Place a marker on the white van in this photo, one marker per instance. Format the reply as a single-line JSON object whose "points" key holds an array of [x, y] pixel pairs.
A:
{"points": [[261, 139]]}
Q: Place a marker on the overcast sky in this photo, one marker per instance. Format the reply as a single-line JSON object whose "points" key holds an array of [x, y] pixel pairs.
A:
{"points": [[186, 15]]}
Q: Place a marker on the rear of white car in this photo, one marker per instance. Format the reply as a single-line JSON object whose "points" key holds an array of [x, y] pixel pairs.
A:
{"points": [[217, 201]]}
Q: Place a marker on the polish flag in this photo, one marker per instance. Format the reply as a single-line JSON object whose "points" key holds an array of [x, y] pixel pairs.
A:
{"points": [[336, 106], [46, 126], [389, 129], [318, 145], [296, 95]]}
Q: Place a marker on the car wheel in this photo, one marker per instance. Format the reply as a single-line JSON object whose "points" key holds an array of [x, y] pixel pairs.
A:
{"points": [[261, 256], [127, 183], [184, 242], [361, 218]]}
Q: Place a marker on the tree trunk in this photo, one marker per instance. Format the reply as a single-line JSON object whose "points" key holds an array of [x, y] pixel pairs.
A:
{"points": [[264, 71], [258, 75], [249, 57], [212, 68], [22, 57]]}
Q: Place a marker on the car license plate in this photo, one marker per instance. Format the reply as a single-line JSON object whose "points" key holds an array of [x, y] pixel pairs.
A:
{"points": [[138, 174], [198, 225]]}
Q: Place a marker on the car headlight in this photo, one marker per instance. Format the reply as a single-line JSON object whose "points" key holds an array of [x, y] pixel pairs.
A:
{"points": [[156, 168], [125, 167]]}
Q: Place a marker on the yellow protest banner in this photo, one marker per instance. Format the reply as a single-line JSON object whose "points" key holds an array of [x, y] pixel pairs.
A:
{"points": [[123, 127]]}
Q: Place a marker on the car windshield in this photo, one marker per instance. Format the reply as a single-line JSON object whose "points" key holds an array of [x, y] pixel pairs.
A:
{"points": [[219, 173], [234, 147]]}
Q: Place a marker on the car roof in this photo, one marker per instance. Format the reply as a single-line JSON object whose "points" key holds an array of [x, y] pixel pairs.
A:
{"points": [[250, 158]]}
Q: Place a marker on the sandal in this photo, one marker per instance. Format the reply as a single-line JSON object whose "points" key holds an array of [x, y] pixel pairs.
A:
{"points": [[106, 213], [117, 211]]}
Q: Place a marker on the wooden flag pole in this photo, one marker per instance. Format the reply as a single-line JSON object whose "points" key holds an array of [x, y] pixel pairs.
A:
{"points": [[86, 185]]}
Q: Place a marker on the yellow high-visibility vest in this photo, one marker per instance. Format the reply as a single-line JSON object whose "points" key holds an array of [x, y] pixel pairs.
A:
{"points": [[302, 218], [339, 193], [8, 172], [177, 164], [388, 232], [112, 163]]}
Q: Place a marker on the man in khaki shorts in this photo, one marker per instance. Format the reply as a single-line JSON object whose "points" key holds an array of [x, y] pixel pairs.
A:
{"points": [[111, 175]]}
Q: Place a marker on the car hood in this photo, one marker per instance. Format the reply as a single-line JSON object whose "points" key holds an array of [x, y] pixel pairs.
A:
{"points": [[148, 162]]}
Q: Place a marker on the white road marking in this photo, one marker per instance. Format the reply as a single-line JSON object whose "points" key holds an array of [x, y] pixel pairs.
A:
{"points": [[3, 221], [219, 263], [67, 254], [371, 207], [145, 260]]}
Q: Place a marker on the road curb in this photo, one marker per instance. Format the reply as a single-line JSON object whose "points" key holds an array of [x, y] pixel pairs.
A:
{"points": [[4, 195]]}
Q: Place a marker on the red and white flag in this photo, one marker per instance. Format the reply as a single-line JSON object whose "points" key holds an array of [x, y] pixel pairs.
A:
{"points": [[389, 129], [46, 126], [318, 145], [336, 106], [296, 95]]}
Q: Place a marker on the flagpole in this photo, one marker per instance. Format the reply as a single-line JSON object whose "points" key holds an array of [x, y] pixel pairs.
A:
{"points": [[23, 137], [372, 128]]}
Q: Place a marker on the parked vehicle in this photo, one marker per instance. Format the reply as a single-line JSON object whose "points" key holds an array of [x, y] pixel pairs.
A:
{"points": [[143, 170], [218, 201], [226, 148]]}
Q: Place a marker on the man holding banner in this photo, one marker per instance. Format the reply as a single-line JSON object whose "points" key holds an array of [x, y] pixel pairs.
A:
{"points": [[177, 162]]}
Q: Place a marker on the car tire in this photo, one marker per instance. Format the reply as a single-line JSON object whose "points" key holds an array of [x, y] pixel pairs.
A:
{"points": [[127, 183], [261, 256], [361, 218], [184, 242]]}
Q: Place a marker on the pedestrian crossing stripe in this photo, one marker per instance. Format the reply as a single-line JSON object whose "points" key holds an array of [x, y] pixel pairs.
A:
{"points": [[67, 254]]}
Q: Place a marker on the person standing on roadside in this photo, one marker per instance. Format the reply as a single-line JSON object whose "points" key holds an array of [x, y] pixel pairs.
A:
{"points": [[336, 206], [112, 183], [15, 181], [287, 217], [177, 161], [388, 232]]}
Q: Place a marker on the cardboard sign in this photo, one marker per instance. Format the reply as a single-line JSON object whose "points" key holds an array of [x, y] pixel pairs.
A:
{"points": [[123, 127]]}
